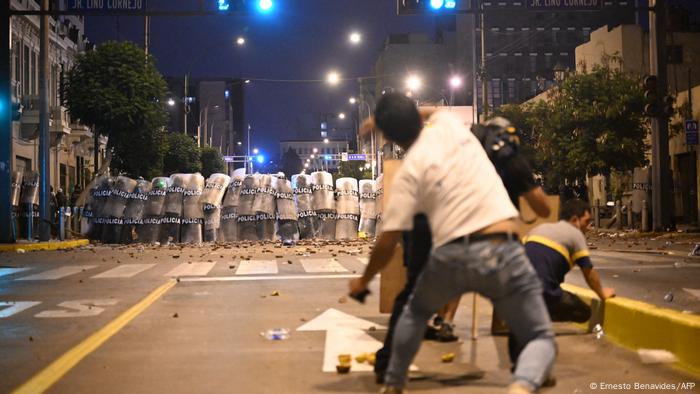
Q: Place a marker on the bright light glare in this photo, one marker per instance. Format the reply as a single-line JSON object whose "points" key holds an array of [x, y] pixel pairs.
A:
{"points": [[239, 143], [352, 100], [265, 5], [224, 5], [341, 115], [315, 150], [261, 159], [455, 81], [355, 38], [450, 4], [240, 40], [413, 83], [325, 140], [333, 78], [437, 4], [171, 102], [256, 151]]}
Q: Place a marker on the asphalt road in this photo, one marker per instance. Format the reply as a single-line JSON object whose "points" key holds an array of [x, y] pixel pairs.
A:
{"points": [[202, 334]]}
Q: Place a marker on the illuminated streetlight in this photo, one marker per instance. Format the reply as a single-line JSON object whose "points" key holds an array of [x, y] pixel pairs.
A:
{"points": [[341, 115], [355, 38], [455, 82], [306, 165], [315, 150], [240, 41], [333, 78], [171, 102], [239, 143], [413, 83], [325, 140], [247, 81], [256, 151], [352, 100], [313, 156]]}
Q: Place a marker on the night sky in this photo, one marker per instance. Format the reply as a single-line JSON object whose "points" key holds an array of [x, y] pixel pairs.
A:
{"points": [[300, 40]]}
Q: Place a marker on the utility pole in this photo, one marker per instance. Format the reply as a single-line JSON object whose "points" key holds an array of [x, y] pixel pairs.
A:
{"points": [[146, 30], [6, 154], [185, 104], [475, 80], [660, 180], [484, 82], [44, 135]]}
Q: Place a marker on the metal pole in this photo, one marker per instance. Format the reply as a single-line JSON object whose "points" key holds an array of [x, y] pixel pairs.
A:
{"points": [[660, 197], [6, 235], [44, 135], [249, 163], [146, 30], [184, 101], [484, 85], [475, 90]]}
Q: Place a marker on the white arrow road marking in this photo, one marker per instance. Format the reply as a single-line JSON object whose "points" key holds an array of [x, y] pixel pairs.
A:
{"points": [[257, 267], [10, 271], [322, 265], [694, 292], [191, 269], [58, 273], [345, 334], [81, 308], [124, 271], [15, 307]]}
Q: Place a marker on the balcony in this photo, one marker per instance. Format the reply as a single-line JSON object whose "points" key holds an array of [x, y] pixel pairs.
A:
{"points": [[59, 121]]}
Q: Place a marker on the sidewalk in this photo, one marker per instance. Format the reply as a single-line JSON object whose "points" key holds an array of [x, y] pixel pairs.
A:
{"points": [[626, 241], [22, 247]]}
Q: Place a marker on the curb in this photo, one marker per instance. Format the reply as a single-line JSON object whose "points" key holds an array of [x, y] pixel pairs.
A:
{"points": [[634, 324], [51, 245]]}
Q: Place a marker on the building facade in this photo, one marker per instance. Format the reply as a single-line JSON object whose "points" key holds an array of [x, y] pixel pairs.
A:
{"points": [[71, 144], [317, 155]]}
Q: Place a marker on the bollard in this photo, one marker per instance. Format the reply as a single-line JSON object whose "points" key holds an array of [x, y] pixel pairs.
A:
{"points": [[618, 214], [630, 217], [597, 214], [61, 224], [645, 216]]}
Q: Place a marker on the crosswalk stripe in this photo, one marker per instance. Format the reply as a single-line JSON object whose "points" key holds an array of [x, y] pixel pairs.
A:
{"points": [[10, 271], [58, 273], [364, 260], [124, 271], [15, 307], [322, 265], [191, 269], [257, 267]]}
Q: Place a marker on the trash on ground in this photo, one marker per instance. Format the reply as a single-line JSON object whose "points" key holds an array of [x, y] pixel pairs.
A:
{"points": [[656, 356], [598, 331], [175, 315], [342, 368], [695, 251], [448, 357], [342, 300], [668, 297], [276, 334], [361, 358], [21, 251], [679, 264], [275, 293]]}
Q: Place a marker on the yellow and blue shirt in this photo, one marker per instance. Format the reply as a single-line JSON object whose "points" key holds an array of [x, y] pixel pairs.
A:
{"points": [[554, 249]]}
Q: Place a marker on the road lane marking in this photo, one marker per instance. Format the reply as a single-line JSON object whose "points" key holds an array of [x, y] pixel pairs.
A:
{"points": [[78, 308], [124, 271], [278, 277], [363, 260], [15, 307], [47, 377], [191, 269], [257, 267], [58, 273], [10, 271], [322, 265]]}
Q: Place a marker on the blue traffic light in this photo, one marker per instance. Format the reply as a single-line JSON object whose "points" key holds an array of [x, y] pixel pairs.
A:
{"points": [[260, 159], [265, 5], [327, 157], [224, 5], [437, 4]]}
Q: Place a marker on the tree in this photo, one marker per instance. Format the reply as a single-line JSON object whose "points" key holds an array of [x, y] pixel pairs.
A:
{"points": [[212, 161], [118, 90], [591, 123], [353, 169], [182, 155], [291, 163]]}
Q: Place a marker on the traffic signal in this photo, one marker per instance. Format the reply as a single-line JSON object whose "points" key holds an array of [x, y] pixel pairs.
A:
{"points": [[413, 7], [249, 6], [667, 106], [651, 96]]}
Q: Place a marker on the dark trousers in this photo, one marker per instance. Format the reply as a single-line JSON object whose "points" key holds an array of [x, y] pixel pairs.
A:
{"points": [[567, 308], [417, 244]]}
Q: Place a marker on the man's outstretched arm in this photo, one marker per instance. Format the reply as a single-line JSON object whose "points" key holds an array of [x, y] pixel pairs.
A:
{"points": [[381, 254], [593, 280]]}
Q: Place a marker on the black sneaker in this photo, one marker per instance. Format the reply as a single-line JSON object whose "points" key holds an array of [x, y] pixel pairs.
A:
{"points": [[437, 321], [446, 334], [431, 334]]}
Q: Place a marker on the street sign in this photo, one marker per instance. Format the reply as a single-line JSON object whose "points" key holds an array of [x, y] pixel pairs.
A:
{"points": [[229, 159], [565, 5], [105, 5], [357, 156], [691, 132], [344, 156]]}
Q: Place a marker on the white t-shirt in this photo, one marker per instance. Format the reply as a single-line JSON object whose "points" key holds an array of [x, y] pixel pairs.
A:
{"points": [[447, 176]]}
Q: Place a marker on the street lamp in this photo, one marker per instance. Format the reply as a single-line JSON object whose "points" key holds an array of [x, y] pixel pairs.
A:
{"points": [[315, 150], [413, 83], [171, 102], [341, 115], [239, 143], [352, 100], [240, 41], [559, 72], [355, 38], [333, 78], [325, 140], [256, 151], [455, 83]]}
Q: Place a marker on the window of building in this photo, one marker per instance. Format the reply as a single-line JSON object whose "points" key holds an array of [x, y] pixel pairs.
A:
{"points": [[511, 89], [34, 74], [533, 63], [23, 164], [25, 62], [16, 70]]}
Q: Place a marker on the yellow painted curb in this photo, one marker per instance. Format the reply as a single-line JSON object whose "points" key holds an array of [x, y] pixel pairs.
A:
{"points": [[44, 245], [47, 377], [635, 324]]}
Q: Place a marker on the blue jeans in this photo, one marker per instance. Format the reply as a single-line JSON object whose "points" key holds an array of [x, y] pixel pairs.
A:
{"points": [[499, 271]]}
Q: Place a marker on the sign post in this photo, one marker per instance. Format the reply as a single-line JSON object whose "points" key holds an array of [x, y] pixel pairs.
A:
{"points": [[691, 132]]}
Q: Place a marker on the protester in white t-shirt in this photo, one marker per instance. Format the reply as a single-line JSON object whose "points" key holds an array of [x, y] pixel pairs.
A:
{"points": [[447, 176]]}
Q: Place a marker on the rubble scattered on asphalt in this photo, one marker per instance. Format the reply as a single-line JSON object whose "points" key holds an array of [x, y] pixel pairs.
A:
{"points": [[175, 315], [448, 357], [656, 356], [20, 250], [342, 300], [679, 264], [598, 331], [695, 251], [668, 297], [275, 334], [275, 293]]}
